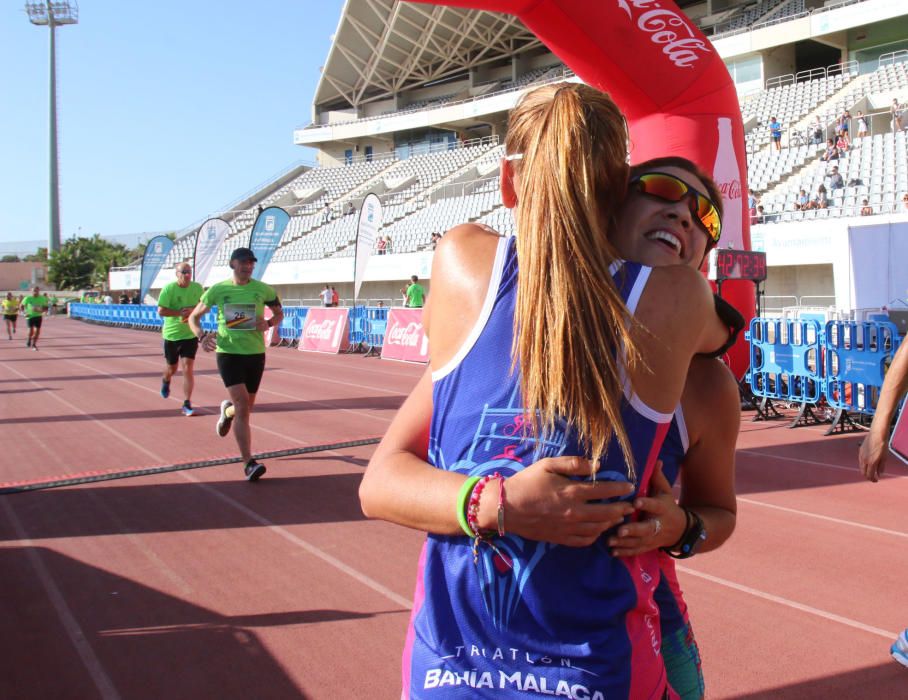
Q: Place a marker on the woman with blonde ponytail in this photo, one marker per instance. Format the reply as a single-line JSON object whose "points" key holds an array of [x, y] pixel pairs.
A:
{"points": [[555, 370]]}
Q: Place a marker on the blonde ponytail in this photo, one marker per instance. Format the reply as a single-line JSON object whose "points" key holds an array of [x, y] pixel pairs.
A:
{"points": [[571, 327]]}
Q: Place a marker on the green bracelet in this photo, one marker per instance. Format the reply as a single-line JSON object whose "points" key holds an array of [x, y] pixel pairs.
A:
{"points": [[465, 490]]}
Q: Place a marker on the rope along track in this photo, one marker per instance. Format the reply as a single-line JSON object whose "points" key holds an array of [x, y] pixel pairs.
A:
{"points": [[91, 477]]}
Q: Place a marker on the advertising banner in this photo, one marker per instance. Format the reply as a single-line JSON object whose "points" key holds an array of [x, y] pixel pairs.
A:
{"points": [[266, 237], [405, 338], [326, 330], [208, 240], [366, 230], [156, 252]]}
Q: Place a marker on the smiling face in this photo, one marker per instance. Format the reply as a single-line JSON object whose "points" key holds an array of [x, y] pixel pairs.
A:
{"points": [[656, 232]]}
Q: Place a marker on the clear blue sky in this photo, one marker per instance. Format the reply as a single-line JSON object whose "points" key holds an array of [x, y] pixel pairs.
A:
{"points": [[167, 110]]}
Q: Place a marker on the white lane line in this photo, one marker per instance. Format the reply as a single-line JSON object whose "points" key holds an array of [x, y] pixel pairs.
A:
{"points": [[303, 544], [73, 630], [790, 603], [849, 523], [773, 456], [277, 529]]}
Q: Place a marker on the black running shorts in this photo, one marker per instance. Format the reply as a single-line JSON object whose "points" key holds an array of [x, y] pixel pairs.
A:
{"points": [[175, 349], [10, 317], [35, 321], [242, 369]]}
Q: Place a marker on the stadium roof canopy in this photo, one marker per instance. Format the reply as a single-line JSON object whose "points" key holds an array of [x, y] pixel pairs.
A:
{"points": [[383, 47]]}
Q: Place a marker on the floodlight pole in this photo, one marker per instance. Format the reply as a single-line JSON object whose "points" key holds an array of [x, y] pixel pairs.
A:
{"points": [[53, 13]]}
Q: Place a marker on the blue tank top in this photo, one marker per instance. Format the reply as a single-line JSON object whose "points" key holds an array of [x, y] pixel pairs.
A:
{"points": [[563, 621]]}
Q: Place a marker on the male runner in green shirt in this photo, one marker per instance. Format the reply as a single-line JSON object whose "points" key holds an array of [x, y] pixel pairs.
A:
{"points": [[415, 293], [34, 307], [176, 302], [240, 346]]}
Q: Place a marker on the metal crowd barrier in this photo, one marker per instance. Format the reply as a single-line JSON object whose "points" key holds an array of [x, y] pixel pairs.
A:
{"points": [[800, 362]]}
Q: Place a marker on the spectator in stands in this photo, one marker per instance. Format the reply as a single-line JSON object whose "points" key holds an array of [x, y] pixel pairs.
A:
{"points": [[325, 294], [866, 209], [124, 298], [820, 201], [896, 111], [775, 132], [751, 202], [414, 294], [760, 218], [335, 297], [841, 145], [863, 130], [388, 246], [380, 245], [831, 153], [835, 181], [819, 132], [350, 209], [803, 201], [843, 126], [326, 213], [107, 299], [135, 298], [905, 201]]}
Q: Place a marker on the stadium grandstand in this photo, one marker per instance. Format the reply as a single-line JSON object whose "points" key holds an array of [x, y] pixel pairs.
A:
{"points": [[412, 106]]}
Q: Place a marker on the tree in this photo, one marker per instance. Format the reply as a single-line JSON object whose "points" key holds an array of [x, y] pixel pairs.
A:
{"points": [[85, 262], [39, 256], [10, 258]]}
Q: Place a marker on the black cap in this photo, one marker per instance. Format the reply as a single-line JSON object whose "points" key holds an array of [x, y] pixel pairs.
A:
{"points": [[243, 254]]}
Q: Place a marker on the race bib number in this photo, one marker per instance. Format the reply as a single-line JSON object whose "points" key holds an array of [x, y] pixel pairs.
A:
{"points": [[239, 317]]}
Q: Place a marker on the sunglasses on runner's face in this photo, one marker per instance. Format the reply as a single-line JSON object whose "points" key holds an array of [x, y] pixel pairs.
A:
{"points": [[672, 189]]}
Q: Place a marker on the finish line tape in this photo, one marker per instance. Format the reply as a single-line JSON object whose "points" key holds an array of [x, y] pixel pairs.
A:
{"points": [[108, 475]]}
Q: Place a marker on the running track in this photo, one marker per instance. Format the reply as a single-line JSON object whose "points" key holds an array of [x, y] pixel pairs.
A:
{"points": [[196, 584]]}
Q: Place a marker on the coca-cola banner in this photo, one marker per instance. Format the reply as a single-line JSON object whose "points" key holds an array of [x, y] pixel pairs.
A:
{"points": [[669, 81], [405, 338], [325, 330]]}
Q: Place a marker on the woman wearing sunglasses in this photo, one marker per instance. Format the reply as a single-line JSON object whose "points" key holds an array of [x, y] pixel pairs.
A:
{"points": [[555, 369], [668, 219]]}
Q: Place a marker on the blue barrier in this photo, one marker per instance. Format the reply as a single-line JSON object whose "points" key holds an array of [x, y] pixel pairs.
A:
{"points": [[857, 355], [800, 362], [785, 359], [367, 325]]}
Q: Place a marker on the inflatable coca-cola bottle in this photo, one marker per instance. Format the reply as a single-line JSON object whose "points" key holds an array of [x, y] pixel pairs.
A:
{"points": [[727, 175]]}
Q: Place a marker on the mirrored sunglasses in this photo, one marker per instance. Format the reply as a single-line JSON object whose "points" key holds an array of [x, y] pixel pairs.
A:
{"points": [[672, 189]]}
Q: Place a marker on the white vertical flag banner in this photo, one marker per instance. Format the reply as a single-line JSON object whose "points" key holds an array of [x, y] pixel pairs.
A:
{"points": [[366, 230], [208, 242], [156, 252]]}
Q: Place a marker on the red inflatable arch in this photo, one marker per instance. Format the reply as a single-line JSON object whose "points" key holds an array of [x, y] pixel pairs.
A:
{"points": [[670, 82]]}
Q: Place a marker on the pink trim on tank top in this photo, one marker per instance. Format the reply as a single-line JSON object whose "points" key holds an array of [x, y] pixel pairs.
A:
{"points": [[419, 597]]}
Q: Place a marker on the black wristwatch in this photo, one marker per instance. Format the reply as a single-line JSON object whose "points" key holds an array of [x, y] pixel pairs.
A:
{"points": [[694, 534]]}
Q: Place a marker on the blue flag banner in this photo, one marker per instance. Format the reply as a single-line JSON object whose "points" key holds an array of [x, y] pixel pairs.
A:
{"points": [[156, 252], [208, 241], [370, 214], [266, 236]]}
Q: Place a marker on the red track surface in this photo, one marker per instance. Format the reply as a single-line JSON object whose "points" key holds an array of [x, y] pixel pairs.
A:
{"points": [[196, 584]]}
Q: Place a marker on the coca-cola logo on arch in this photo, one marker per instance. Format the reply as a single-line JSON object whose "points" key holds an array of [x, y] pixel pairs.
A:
{"points": [[320, 331], [730, 190], [407, 336], [669, 29]]}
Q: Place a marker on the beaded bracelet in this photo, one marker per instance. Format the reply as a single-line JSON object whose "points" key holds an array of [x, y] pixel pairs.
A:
{"points": [[501, 503], [462, 497]]}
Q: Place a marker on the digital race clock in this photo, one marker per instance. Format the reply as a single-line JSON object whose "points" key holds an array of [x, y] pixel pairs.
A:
{"points": [[727, 264]]}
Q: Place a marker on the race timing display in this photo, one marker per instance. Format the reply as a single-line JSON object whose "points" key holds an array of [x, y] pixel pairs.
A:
{"points": [[728, 264]]}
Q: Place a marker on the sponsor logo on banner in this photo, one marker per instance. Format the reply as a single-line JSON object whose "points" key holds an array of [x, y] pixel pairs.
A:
{"points": [[405, 337], [680, 41], [325, 330]]}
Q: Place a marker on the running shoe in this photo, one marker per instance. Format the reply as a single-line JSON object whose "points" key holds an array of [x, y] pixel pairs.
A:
{"points": [[899, 655], [224, 422], [902, 641], [254, 470], [187, 409], [165, 389], [35, 348]]}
